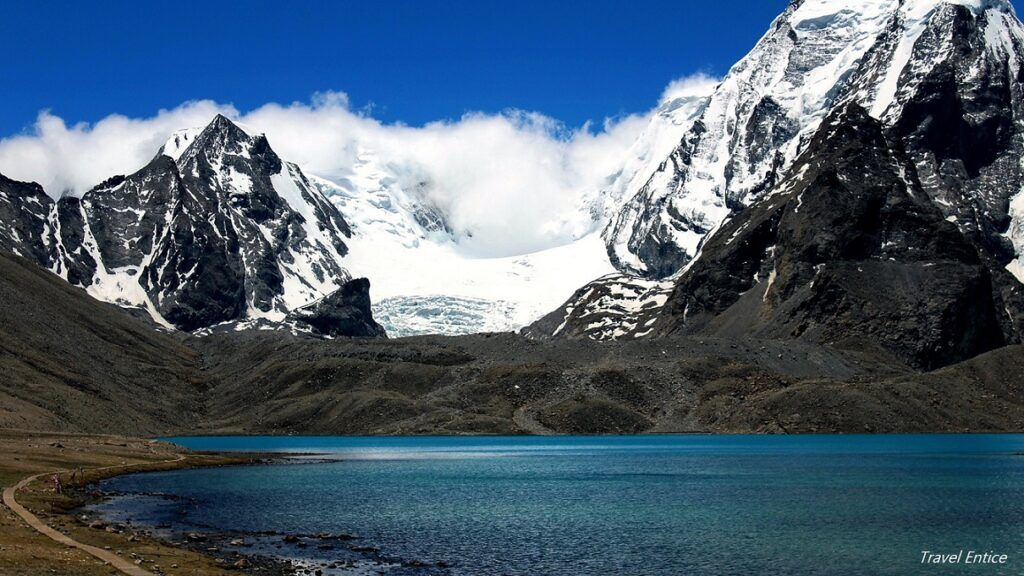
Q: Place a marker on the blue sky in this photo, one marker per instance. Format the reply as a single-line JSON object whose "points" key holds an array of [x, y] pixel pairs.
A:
{"points": [[413, 60]]}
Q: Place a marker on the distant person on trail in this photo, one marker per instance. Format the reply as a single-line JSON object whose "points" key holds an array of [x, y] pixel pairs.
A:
{"points": [[56, 483]]}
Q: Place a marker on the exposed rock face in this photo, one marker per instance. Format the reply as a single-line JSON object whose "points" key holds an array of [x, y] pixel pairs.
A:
{"points": [[216, 228], [848, 247], [346, 312], [24, 209], [959, 113]]}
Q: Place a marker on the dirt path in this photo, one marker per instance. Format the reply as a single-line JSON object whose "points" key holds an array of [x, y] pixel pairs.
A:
{"points": [[105, 555]]}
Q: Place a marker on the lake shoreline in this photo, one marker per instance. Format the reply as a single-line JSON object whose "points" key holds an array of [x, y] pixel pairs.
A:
{"points": [[92, 459], [268, 552], [207, 544]]}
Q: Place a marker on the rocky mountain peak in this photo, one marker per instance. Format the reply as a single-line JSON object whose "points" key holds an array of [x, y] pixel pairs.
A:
{"points": [[215, 229], [815, 56], [221, 140], [178, 142]]}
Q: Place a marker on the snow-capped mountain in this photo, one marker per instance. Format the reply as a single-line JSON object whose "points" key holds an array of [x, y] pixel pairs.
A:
{"points": [[936, 84], [216, 228], [748, 132], [816, 54]]}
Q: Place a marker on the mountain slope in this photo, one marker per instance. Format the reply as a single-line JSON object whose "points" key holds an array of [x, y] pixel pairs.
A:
{"points": [[958, 111], [848, 247], [73, 363]]}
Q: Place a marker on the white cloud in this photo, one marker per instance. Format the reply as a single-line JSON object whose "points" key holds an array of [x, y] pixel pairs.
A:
{"points": [[76, 158], [699, 84], [512, 180]]}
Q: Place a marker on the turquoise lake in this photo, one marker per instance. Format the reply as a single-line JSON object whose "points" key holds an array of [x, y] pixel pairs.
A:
{"points": [[641, 505]]}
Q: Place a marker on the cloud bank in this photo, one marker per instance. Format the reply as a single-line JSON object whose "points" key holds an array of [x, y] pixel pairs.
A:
{"points": [[510, 181]]}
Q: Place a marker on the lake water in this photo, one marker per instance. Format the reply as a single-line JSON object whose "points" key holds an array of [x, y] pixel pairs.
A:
{"points": [[643, 505]]}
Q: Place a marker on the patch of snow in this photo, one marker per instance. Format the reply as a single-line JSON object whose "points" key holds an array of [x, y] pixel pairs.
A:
{"points": [[1016, 235], [617, 306], [771, 282], [179, 141], [1016, 267]]}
